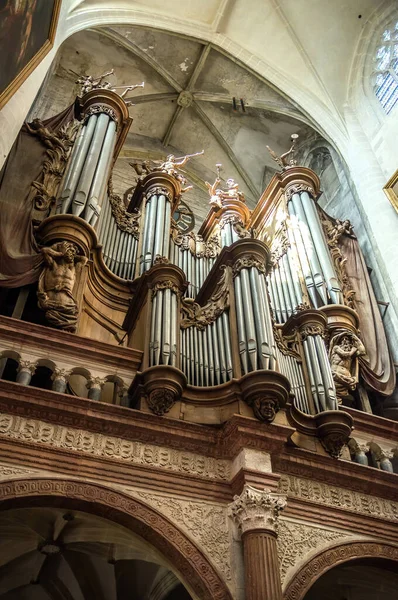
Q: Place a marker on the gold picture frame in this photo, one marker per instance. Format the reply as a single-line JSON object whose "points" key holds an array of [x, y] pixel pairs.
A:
{"points": [[391, 190], [21, 31]]}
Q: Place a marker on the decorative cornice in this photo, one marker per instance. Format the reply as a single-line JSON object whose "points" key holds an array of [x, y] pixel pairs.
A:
{"points": [[257, 510]]}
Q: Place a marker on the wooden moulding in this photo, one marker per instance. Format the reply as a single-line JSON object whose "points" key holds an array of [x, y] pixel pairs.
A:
{"points": [[331, 427], [112, 102], [148, 185], [307, 322], [230, 207], [229, 255], [163, 389], [341, 317], [29, 336], [278, 185], [70, 228]]}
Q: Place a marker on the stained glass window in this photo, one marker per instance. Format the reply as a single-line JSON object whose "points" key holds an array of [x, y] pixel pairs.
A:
{"points": [[386, 68]]}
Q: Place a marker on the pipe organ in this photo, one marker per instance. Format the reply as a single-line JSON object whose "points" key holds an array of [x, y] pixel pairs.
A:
{"points": [[251, 314]]}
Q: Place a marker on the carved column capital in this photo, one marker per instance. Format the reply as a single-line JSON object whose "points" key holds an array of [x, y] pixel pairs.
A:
{"points": [[27, 366], [257, 510]]}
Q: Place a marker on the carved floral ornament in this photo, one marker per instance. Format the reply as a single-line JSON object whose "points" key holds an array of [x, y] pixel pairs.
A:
{"points": [[166, 284], [195, 243], [96, 109], [125, 221], [158, 191], [201, 316], [161, 400], [298, 188], [237, 224], [247, 262], [257, 509], [58, 146]]}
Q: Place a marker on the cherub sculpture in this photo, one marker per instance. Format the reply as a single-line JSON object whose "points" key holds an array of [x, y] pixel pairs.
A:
{"points": [[218, 195], [171, 164], [88, 82]]}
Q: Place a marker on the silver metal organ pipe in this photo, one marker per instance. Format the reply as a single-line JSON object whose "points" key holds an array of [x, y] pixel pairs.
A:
{"points": [[211, 354], [134, 259], [196, 354], [289, 296], [221, 349], [274, 298], [217, 369], [241, 325], [126, 256], [68, 191], [279, 291], [201, 361], [258, 309], [149, 232], [82, 190], [153, 328], [94, 199], [64, 198], [331, 399], [113, 230], [302, 254], [191, 354], [268, 320], [158, 328], [291, 278], [310, 246], [249, 320], [166, 235], [158, 218], [313, 384], [205, 357], [317, 372], [167, 326], [321, 247], [227, 340]]}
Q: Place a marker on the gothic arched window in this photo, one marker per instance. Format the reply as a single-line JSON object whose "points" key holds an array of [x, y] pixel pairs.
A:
{"points": [[386, 70]]}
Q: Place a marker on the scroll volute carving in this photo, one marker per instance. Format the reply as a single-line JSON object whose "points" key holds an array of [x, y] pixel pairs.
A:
{"points": [[194, 315], [306, 321]]}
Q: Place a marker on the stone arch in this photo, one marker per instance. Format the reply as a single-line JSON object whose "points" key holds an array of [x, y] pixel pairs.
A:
{"points": [[125, 510], [318, 565]]}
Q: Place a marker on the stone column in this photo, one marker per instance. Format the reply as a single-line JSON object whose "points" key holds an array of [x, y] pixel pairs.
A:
{"points": [[95, 386], [60, 379], [25, 372], [256, 513]]}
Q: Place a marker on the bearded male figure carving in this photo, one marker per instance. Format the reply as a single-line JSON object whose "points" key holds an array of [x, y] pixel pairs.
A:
{"points": [[344, 347], [55, 290]]}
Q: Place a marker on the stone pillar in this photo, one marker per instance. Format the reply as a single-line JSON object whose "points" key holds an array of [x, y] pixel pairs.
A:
{"points": [[95, 385], [256, 513], [25, 371], [60, 379]]}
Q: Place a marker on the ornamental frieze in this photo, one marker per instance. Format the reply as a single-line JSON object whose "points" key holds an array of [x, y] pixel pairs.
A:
{"points": [[97, 444]]}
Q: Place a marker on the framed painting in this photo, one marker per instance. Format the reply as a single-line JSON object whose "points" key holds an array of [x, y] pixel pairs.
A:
{"points": [[27, 31], [391, 190]]}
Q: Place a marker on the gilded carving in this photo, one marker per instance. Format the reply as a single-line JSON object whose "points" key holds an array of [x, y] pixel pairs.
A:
{"points": [[237, 224], [96, 109], [207, 524], [344, 349], [56, 282], [57, 151], [257, 509], [97, 444], [201, 316], [337, 497], [218, 196], [158, 191], [296, 541], [311, 329], [125, 221]]}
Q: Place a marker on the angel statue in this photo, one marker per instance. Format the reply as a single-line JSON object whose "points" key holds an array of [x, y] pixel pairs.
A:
{"points": [[214, 193], [88, 82], [344, 348], [283, 161], [171, 164]]}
